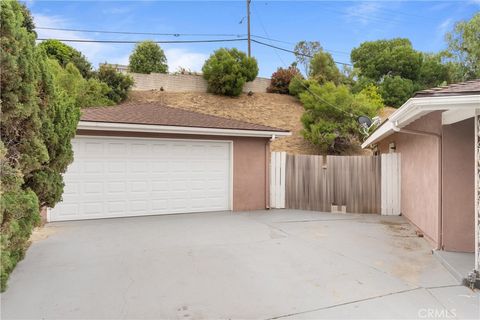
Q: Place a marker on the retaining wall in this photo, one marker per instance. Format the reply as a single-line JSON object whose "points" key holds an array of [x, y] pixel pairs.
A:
{"points": [[186, 83]]}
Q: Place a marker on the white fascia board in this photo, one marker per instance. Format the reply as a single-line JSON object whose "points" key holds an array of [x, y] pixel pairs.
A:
{"points": [[384, 130], [414, 108], [129, 127]]}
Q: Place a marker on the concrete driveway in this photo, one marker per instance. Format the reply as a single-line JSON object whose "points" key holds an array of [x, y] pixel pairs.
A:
{"points": [[251, 265]]}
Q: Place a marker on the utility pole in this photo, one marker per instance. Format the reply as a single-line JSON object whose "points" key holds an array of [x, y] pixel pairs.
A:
{"points": [[248, 26]]}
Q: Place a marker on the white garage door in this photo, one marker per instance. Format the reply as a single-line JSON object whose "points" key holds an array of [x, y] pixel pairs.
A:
{"points": [[120, 177]]}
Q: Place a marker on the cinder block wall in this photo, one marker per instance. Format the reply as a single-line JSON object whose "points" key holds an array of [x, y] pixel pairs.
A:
{"points": [[186, 83]]}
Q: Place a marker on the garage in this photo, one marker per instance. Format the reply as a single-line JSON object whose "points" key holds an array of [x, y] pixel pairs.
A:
{"points": [[116, 177], [138, 160]]}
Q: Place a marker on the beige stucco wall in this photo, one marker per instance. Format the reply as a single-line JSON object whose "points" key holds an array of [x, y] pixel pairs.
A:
{"points": [[420, 181], [186, 83], [250, 170], [458, 186]]}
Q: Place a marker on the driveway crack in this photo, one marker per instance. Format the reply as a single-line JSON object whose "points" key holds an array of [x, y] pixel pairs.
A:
{"points": [[343, 304]]}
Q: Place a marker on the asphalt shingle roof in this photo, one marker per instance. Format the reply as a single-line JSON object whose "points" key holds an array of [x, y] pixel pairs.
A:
{"points": [[455, 89], [157, 114]]}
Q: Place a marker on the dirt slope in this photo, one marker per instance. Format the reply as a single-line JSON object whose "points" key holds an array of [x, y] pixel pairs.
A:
{"points": [[276, 110]]}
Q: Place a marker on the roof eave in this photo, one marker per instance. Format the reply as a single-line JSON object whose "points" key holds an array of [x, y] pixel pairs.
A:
{"points": [[415, 108], [130, 127]]}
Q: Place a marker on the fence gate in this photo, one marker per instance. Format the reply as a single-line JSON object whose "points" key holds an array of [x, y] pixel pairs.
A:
{"points": [[391, 184], [277, 180], [356, 184]]}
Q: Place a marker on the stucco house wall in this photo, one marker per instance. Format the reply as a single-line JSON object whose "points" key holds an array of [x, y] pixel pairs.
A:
{"points": [[458, 231], [250, 165], [420, 178], [432, 181]]}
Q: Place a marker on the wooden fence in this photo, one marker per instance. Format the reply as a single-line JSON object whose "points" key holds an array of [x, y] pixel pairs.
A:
{"points": [[335, 183]]}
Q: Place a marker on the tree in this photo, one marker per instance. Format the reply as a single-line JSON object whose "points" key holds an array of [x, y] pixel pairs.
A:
{"points": [[85, 92], [331, 112], [148, 57], [27, 19], [38, 121], [65, 54], [433, 72], [398, 69], [464, 47], [323, 68], [304, 51], [395, 57], [119, 83], [281, 79], [396, 90], [227, 70]]}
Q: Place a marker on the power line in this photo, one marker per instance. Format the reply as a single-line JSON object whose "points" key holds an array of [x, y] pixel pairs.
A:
{"points": [[298, 78], [137, 41], [144, 33], [185, 41], [175, 35], [296, 53]]}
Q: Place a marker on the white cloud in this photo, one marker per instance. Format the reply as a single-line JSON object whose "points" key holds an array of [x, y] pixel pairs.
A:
{"points": [[178, 57], [445, 26], [90, 50], [120, 59], [112, 53], [363, 12], [95, 52]]}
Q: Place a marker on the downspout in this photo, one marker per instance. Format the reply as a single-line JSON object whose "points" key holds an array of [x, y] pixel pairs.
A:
{"points": [[440, 176], [267, 171]]}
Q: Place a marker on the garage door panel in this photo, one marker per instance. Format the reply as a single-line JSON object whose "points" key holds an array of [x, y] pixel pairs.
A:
{"points": [[116, 187], [159, 166], [93, 167], [139, 166], [69, 210], [116, 207], [116, 177]]}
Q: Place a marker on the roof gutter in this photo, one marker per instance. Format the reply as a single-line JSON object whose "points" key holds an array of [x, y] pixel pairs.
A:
{"points": [[415, 108], [417, 132], [130, 127]]}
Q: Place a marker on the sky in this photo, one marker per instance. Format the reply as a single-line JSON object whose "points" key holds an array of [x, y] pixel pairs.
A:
{"points": [[339, 26]]}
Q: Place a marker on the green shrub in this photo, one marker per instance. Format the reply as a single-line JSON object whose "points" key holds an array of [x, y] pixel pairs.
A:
{"points": [[281, 79], [38, 121], [19, 214], [148, 57], [119, 83], [86, 93], [299, 85], [227, 70]]}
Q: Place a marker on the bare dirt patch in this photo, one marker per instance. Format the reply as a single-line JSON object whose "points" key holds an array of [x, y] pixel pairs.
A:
{"points": [[42, 233], [275, 110]]}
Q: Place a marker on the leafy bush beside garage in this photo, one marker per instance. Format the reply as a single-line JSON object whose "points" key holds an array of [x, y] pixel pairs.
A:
{"points": [[38, 121]]}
